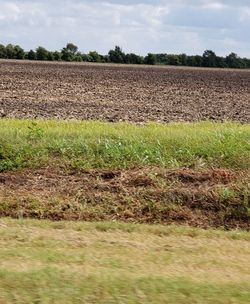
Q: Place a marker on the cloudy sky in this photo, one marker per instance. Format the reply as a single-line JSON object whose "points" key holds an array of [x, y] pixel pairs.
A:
{"points": [[139, 26]]}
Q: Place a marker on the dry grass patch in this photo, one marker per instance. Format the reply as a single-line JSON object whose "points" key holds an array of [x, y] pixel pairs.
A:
{"points": [[121, 263], [203, 198]]}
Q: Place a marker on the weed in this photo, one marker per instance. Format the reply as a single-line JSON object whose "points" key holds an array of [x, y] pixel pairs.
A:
{"points": [[34, 131]]}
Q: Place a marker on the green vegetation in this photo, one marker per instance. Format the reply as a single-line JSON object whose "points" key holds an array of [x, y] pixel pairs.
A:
{"points": [[114, 262], [26, 143], [70, 53], [131, 180], [66, 262]]}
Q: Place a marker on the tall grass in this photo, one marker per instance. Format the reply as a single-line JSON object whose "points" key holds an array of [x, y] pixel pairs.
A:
{"points": [[93, 144]]}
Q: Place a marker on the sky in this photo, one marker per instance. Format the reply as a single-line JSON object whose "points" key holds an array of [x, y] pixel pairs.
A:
{"points": [[139, 26]]}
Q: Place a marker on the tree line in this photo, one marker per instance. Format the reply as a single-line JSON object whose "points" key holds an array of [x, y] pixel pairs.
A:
{"points": [[71, 53]]}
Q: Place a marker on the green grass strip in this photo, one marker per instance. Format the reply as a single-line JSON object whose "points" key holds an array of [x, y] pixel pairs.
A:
{"points": [[94, 144]]}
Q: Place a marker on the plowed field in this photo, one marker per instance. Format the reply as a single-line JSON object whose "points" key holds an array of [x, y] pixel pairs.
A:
{"points": [[113, 93]]}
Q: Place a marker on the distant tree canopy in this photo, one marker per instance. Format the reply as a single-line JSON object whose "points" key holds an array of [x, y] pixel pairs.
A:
{"points": [[41, 53], [31, 55], [133, 59], [11, 52], [150, 59], [117, 55], [71, 53], [209, 59]]}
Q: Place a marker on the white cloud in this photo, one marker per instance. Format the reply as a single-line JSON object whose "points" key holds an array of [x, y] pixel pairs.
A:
{"points": [[214, 6], [138, 26], [245, 14], [9, 12]]}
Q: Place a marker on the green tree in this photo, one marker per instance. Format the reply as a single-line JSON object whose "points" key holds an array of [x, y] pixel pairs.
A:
{"points": [[197, 61], [19, 52], [173, 59], [31, 55], [10, 51], [209, 59], [69, 52], [162, 58], [133, 59], [246, 62], [3, 53], [105, 58], [50, 56], [233, 61], [94, 57], [150, 59], [85, 58], [41, 53], [220, 62], [117, 55], [77, 57], [57, 56], [183, 59], [71, 47]]}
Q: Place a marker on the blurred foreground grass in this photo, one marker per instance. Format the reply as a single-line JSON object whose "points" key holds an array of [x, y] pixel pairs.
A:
{"points": [[66, 262]]}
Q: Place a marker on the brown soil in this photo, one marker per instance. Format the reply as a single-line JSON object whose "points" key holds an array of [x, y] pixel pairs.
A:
{"points": [[208, 198], [113, 93]]}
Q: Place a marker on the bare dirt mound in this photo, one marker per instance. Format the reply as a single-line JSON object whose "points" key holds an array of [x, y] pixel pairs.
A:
{"points": [[131, 93], [208, 198]]}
